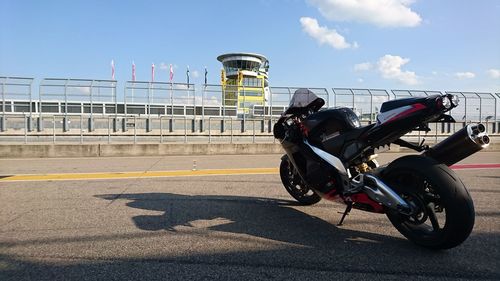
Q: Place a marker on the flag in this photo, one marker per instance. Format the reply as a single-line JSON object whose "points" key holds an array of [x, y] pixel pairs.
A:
{"points": [[206, 73], [112, 70], [152, 72], [171, 73], [133, 71], [187, 74]]}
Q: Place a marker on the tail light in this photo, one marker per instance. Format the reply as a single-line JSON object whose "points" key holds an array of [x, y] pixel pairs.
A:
{"points": [[454, 100], [445, 102]]}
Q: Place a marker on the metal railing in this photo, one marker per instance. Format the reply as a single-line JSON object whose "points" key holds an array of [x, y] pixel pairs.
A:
{"points": [[89, 110], [165, 129], [95, 97]]}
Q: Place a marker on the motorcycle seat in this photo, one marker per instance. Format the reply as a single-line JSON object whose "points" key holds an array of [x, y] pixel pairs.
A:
{"points": [[392, 104]]}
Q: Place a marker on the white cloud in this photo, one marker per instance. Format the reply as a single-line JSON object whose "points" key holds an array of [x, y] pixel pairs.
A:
{"points": [[390, 68], [360, 80], [494, 73], [382, 13], [364, 66], [465, 75], [324, 35], [195, 74]]}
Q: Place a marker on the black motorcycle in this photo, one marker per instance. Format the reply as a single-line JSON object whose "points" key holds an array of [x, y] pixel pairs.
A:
{"points": [[330, 155]]}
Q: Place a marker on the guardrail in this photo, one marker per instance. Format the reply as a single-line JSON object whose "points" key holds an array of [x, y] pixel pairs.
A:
{"points": [[100, 97], [134, 129]]}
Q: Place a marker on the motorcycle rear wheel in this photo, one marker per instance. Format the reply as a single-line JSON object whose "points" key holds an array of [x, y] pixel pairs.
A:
{"points": [[295, 186], [445, 211]]}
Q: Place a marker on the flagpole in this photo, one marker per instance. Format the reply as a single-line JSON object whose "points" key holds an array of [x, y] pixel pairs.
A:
{"points": [[203, 101], [171, 93], [133, 80], [151, 88], [112, 69], [187, 74], [113, 94]]}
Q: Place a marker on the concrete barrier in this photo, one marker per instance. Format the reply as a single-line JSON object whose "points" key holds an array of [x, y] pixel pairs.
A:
{"points": [[48, 150], [117, 150], [107, 150]]}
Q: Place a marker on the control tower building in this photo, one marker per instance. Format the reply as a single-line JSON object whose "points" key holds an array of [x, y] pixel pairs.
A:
{"points": [[244, 78]]}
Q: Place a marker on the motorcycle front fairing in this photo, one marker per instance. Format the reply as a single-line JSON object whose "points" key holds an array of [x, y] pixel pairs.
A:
{"points": [[322, 171]]}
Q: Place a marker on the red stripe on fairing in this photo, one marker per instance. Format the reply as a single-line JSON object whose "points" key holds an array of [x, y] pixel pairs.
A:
{"points": [[475, 166], [364, 199], [415, 107]]}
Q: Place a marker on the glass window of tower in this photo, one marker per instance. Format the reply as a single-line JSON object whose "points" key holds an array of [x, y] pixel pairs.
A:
{"points": [[252, 82]]}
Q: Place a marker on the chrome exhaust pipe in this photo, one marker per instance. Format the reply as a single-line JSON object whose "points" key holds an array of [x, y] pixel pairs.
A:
{"points": [[378, 191], [484, 140], [465, 142], [478, 129]]}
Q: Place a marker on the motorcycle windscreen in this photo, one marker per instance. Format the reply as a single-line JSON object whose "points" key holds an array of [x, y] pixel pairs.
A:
{"points": [[304, 99]]}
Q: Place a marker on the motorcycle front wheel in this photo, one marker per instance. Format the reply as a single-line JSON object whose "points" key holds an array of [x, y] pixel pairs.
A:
{"points": [[295, 186], [444, 211]]}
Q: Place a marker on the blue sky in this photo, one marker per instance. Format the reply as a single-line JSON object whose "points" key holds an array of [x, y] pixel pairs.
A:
{"points": [[389, 44]]}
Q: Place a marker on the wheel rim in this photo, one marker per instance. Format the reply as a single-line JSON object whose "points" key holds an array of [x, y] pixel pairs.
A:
{"points": [[429, 218], [295, 184]]}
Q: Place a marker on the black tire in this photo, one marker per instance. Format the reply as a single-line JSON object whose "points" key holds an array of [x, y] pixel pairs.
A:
{"points": [[438, 194], [295, 186]]}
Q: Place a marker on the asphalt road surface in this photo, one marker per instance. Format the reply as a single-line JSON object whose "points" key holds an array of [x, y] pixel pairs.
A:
{"points": [[241, 226]]}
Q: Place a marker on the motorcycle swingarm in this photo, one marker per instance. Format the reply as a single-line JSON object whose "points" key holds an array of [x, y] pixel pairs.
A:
{"points": [[381, 193]]}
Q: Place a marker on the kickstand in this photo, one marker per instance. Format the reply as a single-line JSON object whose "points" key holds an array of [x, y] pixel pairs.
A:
{"points": [[346, 212]]}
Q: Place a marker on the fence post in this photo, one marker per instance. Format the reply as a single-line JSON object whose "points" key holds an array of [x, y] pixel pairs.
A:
{"points": [[2, 124], [135, 130], [2, 119], [26, 128], [161, 130], [202, 128], [30, 122], [39, 125], [54, 129], [65, 124], [209, 131], [81, 129], [115, 120], [91, 124], [124, 124], [91, 119], [109, 130], [253, 127], [65, 118], [231, 121], [185, 129], [148, 125], [115, 124]]}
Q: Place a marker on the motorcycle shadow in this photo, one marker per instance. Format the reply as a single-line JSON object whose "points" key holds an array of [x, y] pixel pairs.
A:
{"points": [[274, 219]]}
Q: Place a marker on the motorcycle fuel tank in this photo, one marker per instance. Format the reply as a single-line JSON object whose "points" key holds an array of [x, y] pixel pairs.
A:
{"points": [[328, 123]]}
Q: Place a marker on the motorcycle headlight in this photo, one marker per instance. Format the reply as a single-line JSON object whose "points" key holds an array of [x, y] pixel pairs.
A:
{"points": [[454, 100]]}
